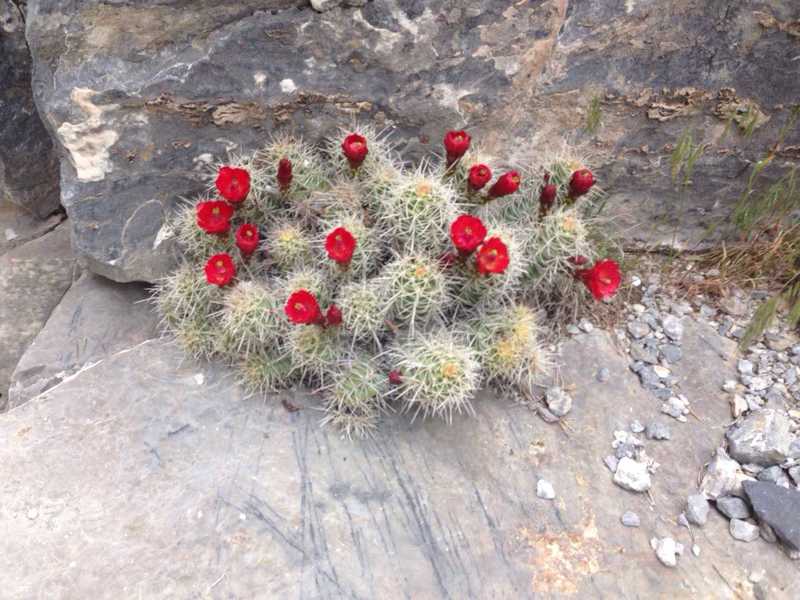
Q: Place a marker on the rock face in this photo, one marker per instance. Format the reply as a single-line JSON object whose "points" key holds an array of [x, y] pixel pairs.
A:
{"points": [[761, 438], [35, 277], [28, 165], [188, 85]]}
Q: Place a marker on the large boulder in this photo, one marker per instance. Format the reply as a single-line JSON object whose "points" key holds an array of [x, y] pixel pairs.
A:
{"points": [[28, 164], [141, 95]]}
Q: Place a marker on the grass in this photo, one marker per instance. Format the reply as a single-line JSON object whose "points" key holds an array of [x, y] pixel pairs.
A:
{"points": [[594, 115]]}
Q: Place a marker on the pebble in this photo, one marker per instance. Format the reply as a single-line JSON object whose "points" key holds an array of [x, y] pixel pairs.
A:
{"points": [[603, 374], [739, 406], [697, 509], [729, 385], [758, 384], [638, 329], [671, 353], [630, 519], [586, 326], [733, 507], [672, 326], [733, 306], [774, 475], [638, 308], [544, 489], [572, 330], [683, 521], [644, 353], [667, 550], [611, 462], [744, 531], [558, 401], [636, 426], [676, 407], [657, 431], [744, 366], [695, 549], [632, 475], [636, 281], [662, 372]]}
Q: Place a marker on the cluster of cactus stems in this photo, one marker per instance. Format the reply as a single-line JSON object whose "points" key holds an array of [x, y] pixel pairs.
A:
{"points": [[386, 288]]}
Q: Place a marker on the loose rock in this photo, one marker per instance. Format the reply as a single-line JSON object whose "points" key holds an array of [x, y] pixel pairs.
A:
{"points": [[774, 475], [762, 438], [723, 477], [657, 431], [637, 329], [632, 475], [733, 507], [558, 401], [777, 507], [603, 374], [630, 519], [667, 550], [672, 327], [744, 531], [697, 509], [544, 489]]}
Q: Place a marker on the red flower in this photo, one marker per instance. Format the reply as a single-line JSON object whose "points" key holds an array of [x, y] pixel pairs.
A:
{"points": [[247, 238], [456, 143], [340, 245], [395, 377], [220, 269], [602, 279], [355, 149], [233, 184], [302, 308], [492, 256], [580, 183], [479, 176], [333, 316], [507, 184], [284, 173], [214, 216], [547, 196], [467, 233]]}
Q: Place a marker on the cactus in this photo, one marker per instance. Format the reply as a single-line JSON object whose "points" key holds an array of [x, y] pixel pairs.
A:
{"points": [[363, 305], [315, 352], [417, 288], [381, 153], [288, 246], [262, 372], [251, 320], [440, 373], [356, 398], [195, 242], [306, 278], [562, 235], [367, 254]]}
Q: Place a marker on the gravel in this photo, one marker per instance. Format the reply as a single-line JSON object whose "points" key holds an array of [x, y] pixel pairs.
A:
{"points": [[744, 531], [637, 329], [630, 519], [733, 507], [657, 431], [672, 327], [697, 508]]}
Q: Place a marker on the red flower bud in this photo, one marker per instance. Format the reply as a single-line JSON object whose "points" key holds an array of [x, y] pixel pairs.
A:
{"points": [[547, 196], [456, 144], [302, 308], [507, 184], [340, 245], [247, 238], [448, 259], [492, 257], [578, 260], [395, 377], [580, 183], [333, 316], [220, 269], [214, 216], [355, 149], [479, 176], [233, 184], [467, 233], [602, 280], [284, 174]]}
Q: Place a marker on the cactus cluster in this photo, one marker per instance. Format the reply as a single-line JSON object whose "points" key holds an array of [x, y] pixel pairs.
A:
{"points": [[384, 287]]}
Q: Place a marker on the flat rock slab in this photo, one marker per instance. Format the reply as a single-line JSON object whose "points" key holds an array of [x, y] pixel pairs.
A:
{"points": [[35, 277], [149, 475]]}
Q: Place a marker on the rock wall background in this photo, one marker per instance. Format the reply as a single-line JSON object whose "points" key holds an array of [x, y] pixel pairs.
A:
{"points": [[139, 95]]}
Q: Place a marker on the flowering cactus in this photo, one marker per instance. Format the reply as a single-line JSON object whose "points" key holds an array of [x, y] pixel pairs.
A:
{"points": [[385, 288]]}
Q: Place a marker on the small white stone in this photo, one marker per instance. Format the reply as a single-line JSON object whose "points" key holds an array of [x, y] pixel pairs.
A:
{"points": [[636, 281], [199, 379], [544, 489], [632, 475], [662, 372], [288, 86], [33, 514], [667, 550], [695, 549], [729, 385], [10, 234]]}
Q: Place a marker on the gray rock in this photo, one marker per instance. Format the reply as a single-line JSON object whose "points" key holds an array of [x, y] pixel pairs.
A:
{"points": [[558, 401], [667, 550], [779, 508], [767, 533], [638, 329], [611, 462], [733, 305], [739, 406], [671, 353], [630, 519], [544, 490], [323, 5], [95, 319], [636, 426], [723, 477], [774, 475], [794, 473], [586, 326], [763, 437], [744, 366], [672, 327], [603, 374], [759, 384], [697, 509], [733, 507], [632, 475], [644, 353], [744, 531], [657, 431], [683, 521], [35, 277], [790, 376], [648, 377], [779, 343], [28, 164]]}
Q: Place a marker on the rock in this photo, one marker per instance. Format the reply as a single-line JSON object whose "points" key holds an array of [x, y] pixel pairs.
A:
{"points": [[586, 326], [662, 372], [544, 489], [744, 366], [774, 475], [723, 477], [644, 353], [695, 549], [558, 401], [779, 343], [676, 407], [35, 277], [671, 353], [759, 384], [794, 473], [697, 509], [611, 462], [95, 319], [734, 306], [733, 507], [657, 431], [744, 531], [632, 475], [739, 406], [323, 5], [630, 519], [603, 374], [766, 532], [779, 508], [648, 377], [763, 438], [683, 521], [638, 329], [28, 164], [667, 550], [636, 426], [672, 327]]}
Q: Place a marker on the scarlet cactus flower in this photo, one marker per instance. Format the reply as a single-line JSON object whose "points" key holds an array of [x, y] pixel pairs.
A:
{"points": [[580, 183], [355, 149], [340, 245], [508, 183], [492, 257], [214, 216], [456, 144], [479, 176], [395, 377], [603, 279], [284, 174], [333, 316], [302, 308], [467, 233], [247, 238], [220, 269], [233, 184]]}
